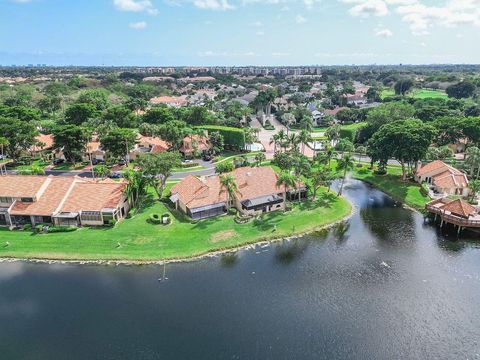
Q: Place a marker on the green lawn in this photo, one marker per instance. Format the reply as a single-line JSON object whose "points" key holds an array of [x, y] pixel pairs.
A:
{"points": [[417, 93], [69, 166], [136, 239], [392, 184]]}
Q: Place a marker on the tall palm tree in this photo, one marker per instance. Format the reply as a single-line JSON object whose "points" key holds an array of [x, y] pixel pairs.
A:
{"points": [[293, 140], [274, 140], [345, 164], [473, 160], [228, 183], [304, 138], [306, 123], [286, 180], [329, 152], [318, 178], [3, 142], [282, 137]]}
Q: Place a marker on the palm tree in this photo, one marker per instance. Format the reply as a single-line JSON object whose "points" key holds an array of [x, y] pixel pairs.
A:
{"points": [[345, 164], [304, 137], [3, 142], [319, 178], [228, 183], [361, 150], [293, 140], [286, 180], [259, 158], [274, 140], [473, 160], [333, 133], [136, 186], [306, 123], [329, 152], [474, 188], [282, 137]]}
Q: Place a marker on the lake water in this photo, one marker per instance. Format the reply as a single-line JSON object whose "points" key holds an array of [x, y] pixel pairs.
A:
{"points": [[385, 285]]}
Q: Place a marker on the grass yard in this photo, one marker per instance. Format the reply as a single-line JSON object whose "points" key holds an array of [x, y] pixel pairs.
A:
{"points": [[392, 184], [417, 94], [136, 239]]}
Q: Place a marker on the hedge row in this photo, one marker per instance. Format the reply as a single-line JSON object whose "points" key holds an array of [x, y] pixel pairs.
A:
{"points": [[349, 132], [232, 137]]}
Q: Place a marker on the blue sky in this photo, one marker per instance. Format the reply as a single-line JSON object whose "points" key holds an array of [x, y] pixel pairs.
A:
{"points": [[238, 32]]}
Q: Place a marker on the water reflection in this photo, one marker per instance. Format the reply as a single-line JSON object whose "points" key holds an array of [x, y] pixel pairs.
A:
{"points": [[382, 285]]}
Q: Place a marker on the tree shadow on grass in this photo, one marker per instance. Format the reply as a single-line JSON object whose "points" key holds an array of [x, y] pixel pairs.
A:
{"points": [[324, 200], [268, 221]]}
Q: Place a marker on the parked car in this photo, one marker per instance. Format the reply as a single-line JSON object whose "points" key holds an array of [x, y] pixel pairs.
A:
{"points": [[115, 175], [97, 161], [58, 161], [207, 157]]}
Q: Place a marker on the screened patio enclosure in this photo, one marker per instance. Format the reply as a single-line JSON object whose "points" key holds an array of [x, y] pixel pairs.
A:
{"points": [[207, 211]]}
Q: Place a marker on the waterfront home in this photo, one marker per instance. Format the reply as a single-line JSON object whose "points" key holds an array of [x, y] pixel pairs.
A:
{"points": [[60, 200], [256, 192], [442, 179], [457, 212]]}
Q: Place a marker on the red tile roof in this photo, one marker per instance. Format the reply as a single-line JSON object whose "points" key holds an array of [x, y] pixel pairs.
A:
{"points": [[459, 207]]}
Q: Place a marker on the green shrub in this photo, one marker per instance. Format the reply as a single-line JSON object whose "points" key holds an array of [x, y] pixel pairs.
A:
{"points": [[424, 189], [59, 229], [232, 137], [155, 219], [224, 167], [232, 211], [27, 227], [189, 164], [112, 222]]}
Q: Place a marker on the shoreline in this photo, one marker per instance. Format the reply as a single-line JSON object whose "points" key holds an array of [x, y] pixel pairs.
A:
{"points": [[215, 253]]}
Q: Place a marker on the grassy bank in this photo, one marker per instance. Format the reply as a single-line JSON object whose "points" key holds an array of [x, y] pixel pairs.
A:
{"points": [[417, 94], [136, 239], [392, 184]]}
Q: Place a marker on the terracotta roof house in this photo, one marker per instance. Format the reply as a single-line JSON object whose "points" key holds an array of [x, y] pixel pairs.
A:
{"points": [[60, 200], [148, 145], [43, 142], [174, 101], [457, 212], [257, 192], [442, 178], [195, 143]]}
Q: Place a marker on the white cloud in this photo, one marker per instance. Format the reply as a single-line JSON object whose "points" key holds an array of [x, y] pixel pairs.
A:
{"points": [[138, 25], [135, 6], [213, 4], [419, 16], [366, 8], [299, 19], [383, 33]]}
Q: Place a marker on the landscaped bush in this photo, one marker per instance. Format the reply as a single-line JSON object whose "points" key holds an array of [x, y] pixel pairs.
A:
{"points": [[268, 126], [348, 133], [380, 172], [189, 164], [27, 227], [112, 222], [424, 189], [224, 167], [232, 211], [155, 219], [232, 137], [59, 229]]}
